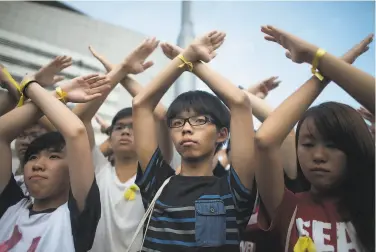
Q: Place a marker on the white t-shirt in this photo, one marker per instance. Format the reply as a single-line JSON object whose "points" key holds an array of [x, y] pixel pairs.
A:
{"points": [[120, 217], [53, 230]]}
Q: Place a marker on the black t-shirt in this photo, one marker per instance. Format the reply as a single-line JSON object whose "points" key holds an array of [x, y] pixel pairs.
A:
{"points": [[194, 213], [83, 224]]}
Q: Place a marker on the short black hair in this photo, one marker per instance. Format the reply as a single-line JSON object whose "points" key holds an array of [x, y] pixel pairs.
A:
{"points": [[49, 141], [202, 103], [123, 113]]}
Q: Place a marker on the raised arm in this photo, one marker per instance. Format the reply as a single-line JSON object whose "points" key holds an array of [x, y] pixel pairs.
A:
{"points": [[81, 170], [355, 82], [275, 129], [134, 88]]}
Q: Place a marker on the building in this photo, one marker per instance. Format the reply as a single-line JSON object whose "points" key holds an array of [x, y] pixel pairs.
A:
{"points": [[33, 33]]}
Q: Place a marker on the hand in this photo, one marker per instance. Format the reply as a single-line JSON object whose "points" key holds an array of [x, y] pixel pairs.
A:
{"points": [[46, 75], [203, 48], [358, 50], [171, 51], [262, 89], [85, 88], [135, 62], [368, 116], [107, 65], [298, 50], [104, 125]]}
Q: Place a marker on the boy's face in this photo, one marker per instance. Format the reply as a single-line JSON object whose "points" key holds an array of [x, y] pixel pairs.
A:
{"points": [[46, 174], [122, 140], [195, 141], [23, 140]]}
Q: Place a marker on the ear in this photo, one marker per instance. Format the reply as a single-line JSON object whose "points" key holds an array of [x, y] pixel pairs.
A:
{"points": [[222, 135]]}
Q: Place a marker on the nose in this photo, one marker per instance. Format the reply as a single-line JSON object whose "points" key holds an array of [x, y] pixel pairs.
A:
{"points": [[187, 128], [38, 165], [319, 154], [126, 131]]}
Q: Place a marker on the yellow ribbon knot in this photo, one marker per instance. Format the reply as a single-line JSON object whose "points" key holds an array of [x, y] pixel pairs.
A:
{"points": [[304, 244], [185, 63], [130, 193]]}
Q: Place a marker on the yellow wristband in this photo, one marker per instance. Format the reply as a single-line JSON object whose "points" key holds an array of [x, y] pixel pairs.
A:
{"points": [[185, 63], [10, 79], [315, 63], [21, 89], [62, 95]]}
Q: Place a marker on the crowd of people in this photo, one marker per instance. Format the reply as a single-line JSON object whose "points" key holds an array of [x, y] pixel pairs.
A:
{"points": [[277, 188]]}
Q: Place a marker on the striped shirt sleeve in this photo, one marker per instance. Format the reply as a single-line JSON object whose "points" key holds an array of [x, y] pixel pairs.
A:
{"points": [[244, 199], [156, 172]]}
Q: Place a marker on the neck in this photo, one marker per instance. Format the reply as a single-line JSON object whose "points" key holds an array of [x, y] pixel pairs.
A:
{"points": [[126, 167], [332, 194], [200, 167], [48, 203]]}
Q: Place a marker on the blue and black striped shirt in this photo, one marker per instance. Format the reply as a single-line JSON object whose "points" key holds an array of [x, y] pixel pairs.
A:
{"points": [[194, 213]]}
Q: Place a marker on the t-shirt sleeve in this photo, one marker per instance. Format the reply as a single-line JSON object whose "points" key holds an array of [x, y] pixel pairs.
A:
{"points": [[84, 224], [10, 196], [244, 199], [280, 223], [99, 160], [156, 172]]}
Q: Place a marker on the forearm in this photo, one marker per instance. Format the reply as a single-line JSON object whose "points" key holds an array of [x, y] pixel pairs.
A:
{"points": [[133, 87], [17, 120], [278, 125], [86, 111], [288, 153], [357, 83], [260, 108], [153, 93], [55, 110], [230, 94], [6, 102]]}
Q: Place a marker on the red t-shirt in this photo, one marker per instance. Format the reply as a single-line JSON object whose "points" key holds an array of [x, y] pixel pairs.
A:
{"points": [[305, 216]]}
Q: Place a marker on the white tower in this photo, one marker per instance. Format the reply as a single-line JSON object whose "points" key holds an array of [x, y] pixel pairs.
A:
{"points": [[187, 81]]}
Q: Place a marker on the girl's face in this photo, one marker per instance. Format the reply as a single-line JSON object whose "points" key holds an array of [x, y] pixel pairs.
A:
{"points": [[322, 163]]}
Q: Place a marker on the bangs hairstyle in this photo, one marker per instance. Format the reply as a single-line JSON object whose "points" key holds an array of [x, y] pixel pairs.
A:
{"points": [[201, 103], [50, 141], [345, 128], [125, 112]]}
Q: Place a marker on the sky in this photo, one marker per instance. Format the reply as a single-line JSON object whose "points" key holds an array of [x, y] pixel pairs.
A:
{"points": [[246, 58]]}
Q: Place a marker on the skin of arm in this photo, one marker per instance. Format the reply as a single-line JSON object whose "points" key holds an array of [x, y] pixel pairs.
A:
{"points": [[6, 102], [276, 128], [354, 81], [81, 168], [261, 110], [11, 125], [134, 87], [241, 121]]}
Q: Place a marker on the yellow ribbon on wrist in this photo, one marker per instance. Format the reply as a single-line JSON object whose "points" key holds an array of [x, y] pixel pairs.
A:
{"points": [[62, 95], [19, 87], [22, 87], [130, 193], [315, 63], [185, 63], [305, 244]]}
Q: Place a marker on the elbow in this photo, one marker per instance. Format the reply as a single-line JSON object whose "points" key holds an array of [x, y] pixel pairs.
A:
{"points": [[138, 102], [76, 132], [241, 100], [263, 141]]}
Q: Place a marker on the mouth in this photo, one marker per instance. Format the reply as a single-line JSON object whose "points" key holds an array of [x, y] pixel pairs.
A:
{"points": [[186, 143], [125, 141], [319, 170], [37, 177]]}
